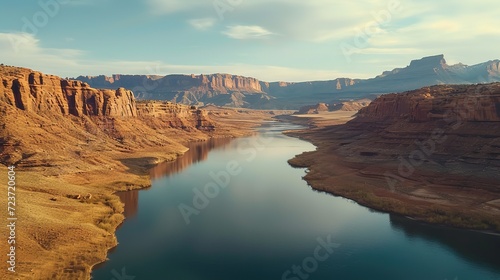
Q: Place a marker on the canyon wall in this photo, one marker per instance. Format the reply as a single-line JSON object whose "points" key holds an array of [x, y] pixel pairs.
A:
{"points": [[46, 120], [222, 83], [474, 103], [36, 92]]}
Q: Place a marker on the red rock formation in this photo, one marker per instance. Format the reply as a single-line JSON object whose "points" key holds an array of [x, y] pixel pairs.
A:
{"points": [[44, 115], [36, 92], [480, 103]]}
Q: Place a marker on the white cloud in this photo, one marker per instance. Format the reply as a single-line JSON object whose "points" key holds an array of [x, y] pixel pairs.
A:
{"points": [[23, 49], [320, 21], [243, 32], [202, 23]]}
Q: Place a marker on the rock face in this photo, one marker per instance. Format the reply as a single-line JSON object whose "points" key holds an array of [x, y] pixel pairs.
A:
{"points": [[222, 83], [220, 89], [46, 119], [443, 134], [237, 91], [478, 103], [176, 115], [36, 92]]}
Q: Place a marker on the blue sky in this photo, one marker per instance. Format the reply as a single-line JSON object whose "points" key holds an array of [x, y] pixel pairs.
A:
{"points": [[287, 40]]}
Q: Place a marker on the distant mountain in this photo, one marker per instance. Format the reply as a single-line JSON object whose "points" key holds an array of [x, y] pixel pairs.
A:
{"points": [[432, 70], [238, 91]]}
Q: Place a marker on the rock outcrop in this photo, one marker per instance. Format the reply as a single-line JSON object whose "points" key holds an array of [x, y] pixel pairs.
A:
{"points": [[36, 92], [314, 109], [477, 103]]}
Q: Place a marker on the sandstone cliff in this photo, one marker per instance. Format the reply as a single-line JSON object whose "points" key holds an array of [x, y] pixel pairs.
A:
{"points": [[220, 89], [478, 103], [465, 117], [222, 83], [36, 92], [45, 117]]}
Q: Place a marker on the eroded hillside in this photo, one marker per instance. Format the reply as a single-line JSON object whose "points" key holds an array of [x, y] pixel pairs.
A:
{"points": [[432, 153]]}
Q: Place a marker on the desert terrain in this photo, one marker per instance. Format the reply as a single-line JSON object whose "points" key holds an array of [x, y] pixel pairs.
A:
{"points": [[431, 154]]}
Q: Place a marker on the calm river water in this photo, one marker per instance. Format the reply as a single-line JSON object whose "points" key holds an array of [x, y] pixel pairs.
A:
{"points": [[235, 210]]}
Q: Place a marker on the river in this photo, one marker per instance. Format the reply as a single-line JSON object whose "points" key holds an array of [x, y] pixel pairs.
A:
{"points": [[235, 209]]}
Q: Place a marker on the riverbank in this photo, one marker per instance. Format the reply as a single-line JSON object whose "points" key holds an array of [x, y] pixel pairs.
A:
{"points": [[68, 212], [434, 194]]}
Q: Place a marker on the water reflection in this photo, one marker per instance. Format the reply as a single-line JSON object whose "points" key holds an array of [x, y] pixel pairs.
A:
{"points": [[198, 151], [131, 201], [476, 247], [268, 220]]}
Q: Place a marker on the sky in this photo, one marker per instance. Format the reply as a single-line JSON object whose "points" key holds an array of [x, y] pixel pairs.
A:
{"points": [[271, 40]]}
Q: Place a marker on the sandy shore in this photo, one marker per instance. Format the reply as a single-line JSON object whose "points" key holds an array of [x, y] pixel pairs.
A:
{"points": [[358, 177], [68, 213]]}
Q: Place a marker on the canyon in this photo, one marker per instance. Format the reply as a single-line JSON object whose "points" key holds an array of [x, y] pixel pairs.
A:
{"points": [[238, 91], [432, 154], [74, 146]]}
